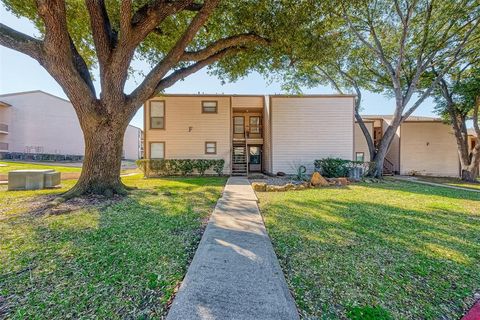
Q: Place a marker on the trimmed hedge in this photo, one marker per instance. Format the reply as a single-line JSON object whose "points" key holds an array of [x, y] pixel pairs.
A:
{"points": [[336, 167], [173, 167]]}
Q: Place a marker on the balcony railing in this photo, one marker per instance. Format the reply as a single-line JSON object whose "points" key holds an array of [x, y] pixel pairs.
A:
{"points": [[3, 127], [3, 146]]}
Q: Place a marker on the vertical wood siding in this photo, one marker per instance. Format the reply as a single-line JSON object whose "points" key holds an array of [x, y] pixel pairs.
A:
{"points": [[308, 128]]}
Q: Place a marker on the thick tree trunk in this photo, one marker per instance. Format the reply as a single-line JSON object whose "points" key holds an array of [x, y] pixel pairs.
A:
{"points": [[469, 174], [383, 148], [102, 162]]}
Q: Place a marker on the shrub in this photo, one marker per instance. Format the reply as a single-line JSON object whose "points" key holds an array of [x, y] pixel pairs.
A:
{"points": [[336, 168], [186, 166], [165, 167], [332, 167], [142, 164], [218, 166], [202, 165]]}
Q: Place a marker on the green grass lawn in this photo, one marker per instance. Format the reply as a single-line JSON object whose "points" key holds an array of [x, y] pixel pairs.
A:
{"points": [[119, 261], [394, 250], [14, 165], [451, 182]]}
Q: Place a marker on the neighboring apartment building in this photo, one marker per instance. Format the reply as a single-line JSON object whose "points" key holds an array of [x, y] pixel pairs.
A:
{"points": [[40, 123], [421, 146], [251, 133]]}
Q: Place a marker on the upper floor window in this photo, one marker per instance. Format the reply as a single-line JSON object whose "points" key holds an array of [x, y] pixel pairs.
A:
{"points": [[254, 124], [238, 125], [157, 115], [209, 107]]}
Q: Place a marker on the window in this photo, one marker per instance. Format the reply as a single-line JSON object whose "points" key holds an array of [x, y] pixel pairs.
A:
{"points": [[157, 150], [359, 156], [157, 115], [254, 124], [238, 124], [209, 106], [210, 147]]}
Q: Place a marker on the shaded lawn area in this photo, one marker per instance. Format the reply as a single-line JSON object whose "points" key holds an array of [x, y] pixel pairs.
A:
{"points": [[451, 182], [398, 250], [14, 165], [117, 261]]}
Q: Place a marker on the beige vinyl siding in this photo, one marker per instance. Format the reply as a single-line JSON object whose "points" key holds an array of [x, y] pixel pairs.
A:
{"points": [[360, 141], [428, 149], [187, 128], [308, 128], [247, 101]]}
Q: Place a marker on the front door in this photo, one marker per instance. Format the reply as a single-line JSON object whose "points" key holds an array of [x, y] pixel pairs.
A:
{"points": [[254, 158]]}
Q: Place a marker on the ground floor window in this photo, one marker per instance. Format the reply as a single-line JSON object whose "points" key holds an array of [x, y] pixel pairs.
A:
{"points": [[360, 156], [210, 147], [157, 150]]}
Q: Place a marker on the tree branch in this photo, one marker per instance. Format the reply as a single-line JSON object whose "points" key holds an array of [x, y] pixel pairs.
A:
{"points": [[233, 41], [186, 71], [103, 36], [20, 42], [61, 59], [442, 72], [151, 81]]}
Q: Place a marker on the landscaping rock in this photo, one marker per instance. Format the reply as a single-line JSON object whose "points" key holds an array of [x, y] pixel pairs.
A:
{"points": [[259, 186], [271, 188], [343, 181], [281, 174], [318, 180]]}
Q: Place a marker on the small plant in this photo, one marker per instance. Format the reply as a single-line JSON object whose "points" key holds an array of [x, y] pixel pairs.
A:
{"points": [[301, 173], [186, 166], [202, 165], [218, 166], [332, 167]]}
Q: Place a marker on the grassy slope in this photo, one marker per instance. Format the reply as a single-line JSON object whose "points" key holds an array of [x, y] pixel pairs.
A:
{"points": [[122, 261], [405, 250], [11, 165]]}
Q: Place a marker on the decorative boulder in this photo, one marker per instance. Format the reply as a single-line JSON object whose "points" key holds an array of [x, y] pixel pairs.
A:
{"points": [[281, 174], [343, 181], [259, 186], [318, 181]]}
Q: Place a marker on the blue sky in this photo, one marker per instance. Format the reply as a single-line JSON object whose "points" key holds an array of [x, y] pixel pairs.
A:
{"points": [[19, 72]]}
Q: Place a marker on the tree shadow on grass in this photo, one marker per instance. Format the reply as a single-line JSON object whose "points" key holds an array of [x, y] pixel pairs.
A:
{"points": [[412, 187], [339, 253], [120, 261]]}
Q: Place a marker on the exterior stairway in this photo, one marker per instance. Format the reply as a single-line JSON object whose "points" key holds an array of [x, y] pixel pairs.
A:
{"points": [[239, 159], [388, 168]]}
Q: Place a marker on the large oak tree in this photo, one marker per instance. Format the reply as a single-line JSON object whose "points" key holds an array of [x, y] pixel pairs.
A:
{"points": [[458, 101], [177, 37], [389, 47]]}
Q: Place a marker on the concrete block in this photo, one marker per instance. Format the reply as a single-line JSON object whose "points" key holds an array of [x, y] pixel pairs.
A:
{"points": [[26, 179], [51, 179]]}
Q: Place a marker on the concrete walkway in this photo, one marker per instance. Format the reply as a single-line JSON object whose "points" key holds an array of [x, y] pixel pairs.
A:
{"points": [[413, 179], [235, 273]]}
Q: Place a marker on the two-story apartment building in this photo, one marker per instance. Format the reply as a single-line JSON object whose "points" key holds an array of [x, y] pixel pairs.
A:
{"points": [[252, 133], [279, 133], [36, 122], [421, 146]]}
